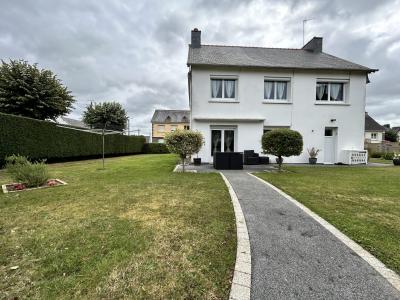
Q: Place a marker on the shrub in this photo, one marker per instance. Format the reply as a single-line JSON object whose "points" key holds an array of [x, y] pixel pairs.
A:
{"points": [[282, 142], [184, 143], [376, 154], [45, 140], [388, 156], [155, 148], [32, 174]]}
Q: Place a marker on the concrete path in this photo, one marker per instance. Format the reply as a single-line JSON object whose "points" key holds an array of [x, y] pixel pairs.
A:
{"points": [[294, 257]]}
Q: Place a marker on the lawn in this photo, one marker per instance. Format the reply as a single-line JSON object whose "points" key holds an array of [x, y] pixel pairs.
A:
{"points": [[135, 230], [362, 202], [380, 160]]}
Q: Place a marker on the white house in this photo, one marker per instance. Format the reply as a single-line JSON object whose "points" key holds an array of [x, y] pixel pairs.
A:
{"points": [[236, 93], [374, 132]]}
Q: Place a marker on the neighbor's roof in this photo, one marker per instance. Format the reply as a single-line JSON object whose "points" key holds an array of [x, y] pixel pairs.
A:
{"points": [[372, 125], [240, 56], [397, 128], [71, 122], [175, 116]]}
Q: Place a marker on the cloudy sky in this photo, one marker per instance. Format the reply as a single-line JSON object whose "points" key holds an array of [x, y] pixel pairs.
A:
{"points": [[135, 52]]}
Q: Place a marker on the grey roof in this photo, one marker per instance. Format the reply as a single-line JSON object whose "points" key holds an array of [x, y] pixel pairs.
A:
{"points": [[397, 128], [71, 122], [372, 125], [175, 116], [214, 55]]}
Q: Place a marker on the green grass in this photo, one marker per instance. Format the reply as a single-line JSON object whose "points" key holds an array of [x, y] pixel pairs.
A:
{"points": [[380, 160], [362, 202], [135, 230]]}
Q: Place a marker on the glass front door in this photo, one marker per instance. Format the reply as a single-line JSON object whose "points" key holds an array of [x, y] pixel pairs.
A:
{"points": [[222, 140]]}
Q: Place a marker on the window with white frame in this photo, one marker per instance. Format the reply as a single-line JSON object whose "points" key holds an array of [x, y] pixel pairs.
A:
{"points": [[330, 91], [174, 127], [374, 136], [223, 89], [276, 89], [161, 128]]}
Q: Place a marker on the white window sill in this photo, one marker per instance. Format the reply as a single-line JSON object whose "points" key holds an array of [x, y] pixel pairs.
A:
{"points": [[277, 102], [340, 103], [223, 101]]}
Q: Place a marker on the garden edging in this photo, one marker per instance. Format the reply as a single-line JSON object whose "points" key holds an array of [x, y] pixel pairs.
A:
{"points": [[375, 263], [241, 281]]}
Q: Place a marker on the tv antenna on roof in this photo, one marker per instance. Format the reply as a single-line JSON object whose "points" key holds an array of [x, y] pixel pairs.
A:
{"points": [[304, 25]]}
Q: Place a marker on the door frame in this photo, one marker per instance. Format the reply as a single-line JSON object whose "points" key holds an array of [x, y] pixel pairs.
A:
{"points": [[222, 128]]}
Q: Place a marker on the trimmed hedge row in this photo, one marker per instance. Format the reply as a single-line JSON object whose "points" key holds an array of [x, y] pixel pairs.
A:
{"points": [[41, 139], [155, 148]]}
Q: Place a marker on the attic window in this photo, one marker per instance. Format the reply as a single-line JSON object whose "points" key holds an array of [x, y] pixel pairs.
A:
{"points": [[168, 119], [184, 119]]}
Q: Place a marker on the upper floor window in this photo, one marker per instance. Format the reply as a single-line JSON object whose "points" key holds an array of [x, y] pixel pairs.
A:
{"points": [[223, 88], [330, 91], [374, 136], [276, 90], [161, 128], [174, 127], [186, 127]]}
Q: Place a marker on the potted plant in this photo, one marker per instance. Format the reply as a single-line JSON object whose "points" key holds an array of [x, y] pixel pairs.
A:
{"points": [[313, 152], [396, 159], [197, 160]]}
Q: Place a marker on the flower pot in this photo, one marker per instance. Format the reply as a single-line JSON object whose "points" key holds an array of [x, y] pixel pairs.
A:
{"points": [[396, 161], [197, 161], [312, 160], [277, 160]]}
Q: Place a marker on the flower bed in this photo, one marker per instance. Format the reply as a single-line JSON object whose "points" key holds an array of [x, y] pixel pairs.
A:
{"points": [[17, 187]]}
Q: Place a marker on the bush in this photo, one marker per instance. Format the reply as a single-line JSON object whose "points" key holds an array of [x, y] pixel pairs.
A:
{"points": [[155, 148], [388, 156], [23, 171], [282, 142], [184, 143], [391, 135], [45, 140], [376, 154]]}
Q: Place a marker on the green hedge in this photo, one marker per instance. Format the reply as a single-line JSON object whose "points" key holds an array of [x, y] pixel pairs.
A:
{"points": [[41, 139], [155, 148]]}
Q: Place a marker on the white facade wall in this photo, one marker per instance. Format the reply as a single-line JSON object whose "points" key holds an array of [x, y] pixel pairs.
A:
{"points": [[301, 114]]}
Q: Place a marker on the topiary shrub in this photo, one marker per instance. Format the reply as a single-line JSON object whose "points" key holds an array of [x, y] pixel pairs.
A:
{"points": [[155, 148], [184, 143], [388, 156], [376, 155], [282, 142], [32, 174]]}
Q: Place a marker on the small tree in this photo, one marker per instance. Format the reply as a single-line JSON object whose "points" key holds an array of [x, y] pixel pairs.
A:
{"points": [[184, 143], [26, 90], [106, 115], [282, 142], [391, 135]]}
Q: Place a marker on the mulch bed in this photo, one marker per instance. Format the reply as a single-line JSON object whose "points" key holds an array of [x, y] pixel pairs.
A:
{"points": [[18, 187]]}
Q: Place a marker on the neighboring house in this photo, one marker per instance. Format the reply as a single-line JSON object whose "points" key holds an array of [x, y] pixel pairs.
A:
{"points": [[374, 132], [164, 121], [397, 129], [237, 93], [68, 122]]}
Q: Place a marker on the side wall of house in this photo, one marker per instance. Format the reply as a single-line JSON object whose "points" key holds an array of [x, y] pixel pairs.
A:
{"points": [[302, 113], [159, 135]]}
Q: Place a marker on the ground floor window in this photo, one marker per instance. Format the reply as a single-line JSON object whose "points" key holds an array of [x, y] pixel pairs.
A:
{"points": [[222, 140]]}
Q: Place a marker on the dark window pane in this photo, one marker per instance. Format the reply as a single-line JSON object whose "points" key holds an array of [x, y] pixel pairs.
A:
{"points": [[215, 141], [229, 137], [322, 91], [328, 132]]}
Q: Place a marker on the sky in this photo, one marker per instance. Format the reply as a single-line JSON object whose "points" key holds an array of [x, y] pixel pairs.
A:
{"points": [[135, 52]]}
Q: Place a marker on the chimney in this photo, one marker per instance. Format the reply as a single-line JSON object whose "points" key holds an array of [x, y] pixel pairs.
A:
{"points": [[196, 38], [314, 45]]}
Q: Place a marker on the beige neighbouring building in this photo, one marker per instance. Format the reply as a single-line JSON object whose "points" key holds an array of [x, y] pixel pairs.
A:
{"points": [[165, 121]]}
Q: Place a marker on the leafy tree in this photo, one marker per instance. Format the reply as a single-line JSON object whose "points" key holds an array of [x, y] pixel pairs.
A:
{"points": [[26, 90], [282, 142], [391, 135], [105, 116], [184, 143]]}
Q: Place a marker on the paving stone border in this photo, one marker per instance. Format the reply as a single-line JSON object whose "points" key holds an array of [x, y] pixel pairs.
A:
{"points": [[241, 282], [375, 263]]}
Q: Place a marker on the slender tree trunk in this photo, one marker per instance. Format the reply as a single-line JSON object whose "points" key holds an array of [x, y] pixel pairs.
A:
{"points": [[103, 149], [183, 164], [280, 163]]}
